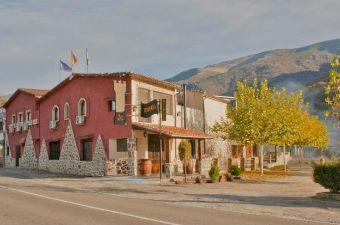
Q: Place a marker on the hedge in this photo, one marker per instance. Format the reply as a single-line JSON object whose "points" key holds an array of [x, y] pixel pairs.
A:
{"points": [[328, 175]]}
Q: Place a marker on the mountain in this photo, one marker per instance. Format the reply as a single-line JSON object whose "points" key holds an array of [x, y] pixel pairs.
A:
{"points": [[292, 68], [303, 69]]}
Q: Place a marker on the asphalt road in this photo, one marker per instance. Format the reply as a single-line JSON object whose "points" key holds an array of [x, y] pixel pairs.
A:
{"points": [[24, 203]]}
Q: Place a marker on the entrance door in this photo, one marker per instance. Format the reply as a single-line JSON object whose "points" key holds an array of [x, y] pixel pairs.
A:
{"points": [[17, 155]]}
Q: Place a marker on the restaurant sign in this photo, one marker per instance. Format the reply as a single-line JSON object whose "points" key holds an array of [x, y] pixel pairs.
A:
{"points": [[150, 108]]}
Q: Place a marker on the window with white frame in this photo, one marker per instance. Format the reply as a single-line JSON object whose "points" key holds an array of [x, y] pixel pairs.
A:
{"points": [[55, 113], [13, 119], [28, 115], [20, 117], [66, 111], [82, 110]]}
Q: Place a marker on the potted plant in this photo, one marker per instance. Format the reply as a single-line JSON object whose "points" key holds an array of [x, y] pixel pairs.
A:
{"points": [[214, 173], [235, 171], [184, 151]]}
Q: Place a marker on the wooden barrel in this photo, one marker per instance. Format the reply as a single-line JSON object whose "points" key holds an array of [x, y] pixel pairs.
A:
{"points": [[145, 166], [155, 166]]}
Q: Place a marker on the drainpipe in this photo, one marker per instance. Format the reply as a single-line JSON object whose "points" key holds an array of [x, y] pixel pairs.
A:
{"points": [[185, 104]]}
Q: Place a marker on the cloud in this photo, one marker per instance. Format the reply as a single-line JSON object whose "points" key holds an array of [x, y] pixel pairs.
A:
{"points": [[160, 38]]}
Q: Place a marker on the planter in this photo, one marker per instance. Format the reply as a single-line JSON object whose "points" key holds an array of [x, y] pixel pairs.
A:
{"points": [[145, 167], [190, 166], [155, 166], [212, 181]]}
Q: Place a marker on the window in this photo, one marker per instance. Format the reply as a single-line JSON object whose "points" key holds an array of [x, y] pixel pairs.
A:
{"points": [[54, 150], [86, 145], [122, 145], [28, 115], [82, 107], [13, 120], [193, 148], [20, 117], [55, 113], [66, 111], [169, 101]]}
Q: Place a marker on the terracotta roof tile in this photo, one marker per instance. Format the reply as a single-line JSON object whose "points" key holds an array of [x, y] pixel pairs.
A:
{"points": [[36, 92], [171, 131]]}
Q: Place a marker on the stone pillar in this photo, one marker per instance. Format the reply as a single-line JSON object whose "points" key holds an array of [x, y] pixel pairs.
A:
{"points": [[99, 158], [132, 154], [43, 160], [29, 159]]}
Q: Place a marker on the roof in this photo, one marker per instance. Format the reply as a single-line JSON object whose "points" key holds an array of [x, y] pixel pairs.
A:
{"points": [[2, 102], [133, 75], [211, 96], [37, 93], [171, 131]]}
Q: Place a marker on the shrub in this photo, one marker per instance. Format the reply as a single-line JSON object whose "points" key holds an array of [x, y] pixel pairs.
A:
{"points": [[235, 170], [214, 172], [328, 175]]}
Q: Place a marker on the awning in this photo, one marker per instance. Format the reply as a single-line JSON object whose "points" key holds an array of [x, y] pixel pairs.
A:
{"points": [[171, 131]]}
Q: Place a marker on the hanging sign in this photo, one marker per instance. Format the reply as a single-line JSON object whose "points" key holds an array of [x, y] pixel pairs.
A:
{"points": [[148, 109], [119, 104], [163, 109]]}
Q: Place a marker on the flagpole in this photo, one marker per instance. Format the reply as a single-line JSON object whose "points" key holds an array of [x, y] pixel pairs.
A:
{"points": [[71, 61], [87, 62], [59, 71]]}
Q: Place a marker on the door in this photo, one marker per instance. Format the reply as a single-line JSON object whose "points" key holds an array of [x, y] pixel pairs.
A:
{"points": [[17, 155], [87, 150]]}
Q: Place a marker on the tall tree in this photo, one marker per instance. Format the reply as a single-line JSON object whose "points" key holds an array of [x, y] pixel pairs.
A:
{"points": [[333, 89]]}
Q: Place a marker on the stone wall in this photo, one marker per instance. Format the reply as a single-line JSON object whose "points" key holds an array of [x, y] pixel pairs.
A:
{"points": [[220, 150], [29, 159], [69, 161]]}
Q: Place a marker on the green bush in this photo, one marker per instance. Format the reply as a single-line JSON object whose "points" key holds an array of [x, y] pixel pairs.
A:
{"points": [[235, 170], [328, 175], [214, 172]]}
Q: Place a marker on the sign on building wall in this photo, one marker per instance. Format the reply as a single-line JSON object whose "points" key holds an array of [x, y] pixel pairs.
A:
{"points": [[163, 109], [150, 108], [120, 91]]}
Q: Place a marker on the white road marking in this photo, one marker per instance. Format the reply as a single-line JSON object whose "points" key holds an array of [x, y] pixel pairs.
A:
{"points": [[89, 206]]}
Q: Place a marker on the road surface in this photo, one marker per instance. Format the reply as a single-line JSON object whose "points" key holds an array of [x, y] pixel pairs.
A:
{"points": [[25, 203]]}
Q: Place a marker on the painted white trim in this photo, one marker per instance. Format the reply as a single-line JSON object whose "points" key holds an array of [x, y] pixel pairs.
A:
{"points": [[67, 114], [53, 118], [79, 105], [28, 111]]}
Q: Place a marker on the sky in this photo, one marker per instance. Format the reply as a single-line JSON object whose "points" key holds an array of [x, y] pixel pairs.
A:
{"points": [[157, 38]]}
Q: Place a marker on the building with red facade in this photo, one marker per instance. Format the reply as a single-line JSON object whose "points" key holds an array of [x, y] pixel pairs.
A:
{"points": [[90, 124]]}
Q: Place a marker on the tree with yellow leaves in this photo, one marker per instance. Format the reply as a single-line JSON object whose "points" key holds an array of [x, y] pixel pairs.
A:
{"points": [[332, 90], [266, 116]]}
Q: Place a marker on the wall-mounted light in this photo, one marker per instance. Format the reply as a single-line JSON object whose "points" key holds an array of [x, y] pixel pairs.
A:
{"points": [[134, 108], [145, 134], [178, 113]]}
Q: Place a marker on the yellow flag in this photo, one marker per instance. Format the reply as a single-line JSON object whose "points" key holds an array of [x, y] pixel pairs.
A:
{"points": [[73, 58]]}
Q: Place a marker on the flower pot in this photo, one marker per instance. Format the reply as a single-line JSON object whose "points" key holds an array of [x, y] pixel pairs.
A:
{"points": [[145, 167]]}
